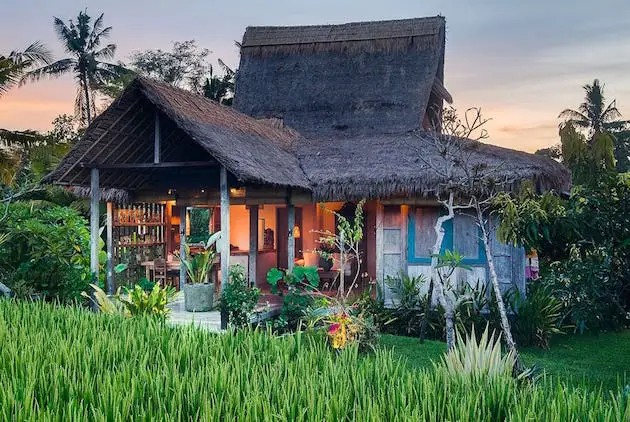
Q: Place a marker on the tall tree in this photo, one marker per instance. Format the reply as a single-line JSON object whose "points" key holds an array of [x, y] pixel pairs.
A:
{"points": [[185, 66], [593, 114], [15, 64], [82, 41]]}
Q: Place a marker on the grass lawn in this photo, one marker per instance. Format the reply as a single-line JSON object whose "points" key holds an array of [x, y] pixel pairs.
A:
{"points": [[582, 360]]}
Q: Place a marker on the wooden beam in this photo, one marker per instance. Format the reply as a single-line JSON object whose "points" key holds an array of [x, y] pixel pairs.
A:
{"points": [[110, 248], [182, 246], [225, 237], [87, 151], [291, 242], [156, 140], [95, 197], [140, 124], [132, 166], [253, 244]]}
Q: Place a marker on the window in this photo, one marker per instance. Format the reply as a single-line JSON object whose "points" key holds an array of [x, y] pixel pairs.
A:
{"points": [[460, 234]]}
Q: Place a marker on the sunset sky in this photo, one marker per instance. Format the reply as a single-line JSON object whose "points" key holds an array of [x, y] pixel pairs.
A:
{"points": [[521, 62]]}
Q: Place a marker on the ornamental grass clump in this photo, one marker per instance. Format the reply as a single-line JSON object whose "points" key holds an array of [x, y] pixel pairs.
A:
{"points": [[68, 364]]}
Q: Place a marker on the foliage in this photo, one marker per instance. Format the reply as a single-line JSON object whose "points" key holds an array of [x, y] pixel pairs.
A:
{"points": [[138, 301], [185, 66], [199, 225], [586, 256], [220, 88], [16, 63], [475, 360], [346, 241], [297, 299], [345, 328], [406, 289], [82, 41], [135, 301], [529, 219], [198, 266], [239, 299], [48, 251], [593, 114], [539, 315], [125, 369]]}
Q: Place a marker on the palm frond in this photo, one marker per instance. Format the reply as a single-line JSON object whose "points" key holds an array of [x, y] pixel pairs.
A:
{"points": [[65, 34], [36, 53], [52, 70], [106, 52], [574, 117]]}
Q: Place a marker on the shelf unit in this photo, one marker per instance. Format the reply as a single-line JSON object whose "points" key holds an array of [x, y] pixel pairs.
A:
{"points": [[140, 234]]}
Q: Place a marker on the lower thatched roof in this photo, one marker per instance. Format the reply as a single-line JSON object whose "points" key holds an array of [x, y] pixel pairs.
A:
{"points": [[382, 166]]}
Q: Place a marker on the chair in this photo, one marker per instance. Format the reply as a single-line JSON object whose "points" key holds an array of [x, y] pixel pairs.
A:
{"points": [[159, 272]]}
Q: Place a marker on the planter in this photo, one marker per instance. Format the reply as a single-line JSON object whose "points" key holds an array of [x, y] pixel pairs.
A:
{"points": [[198, 297]]}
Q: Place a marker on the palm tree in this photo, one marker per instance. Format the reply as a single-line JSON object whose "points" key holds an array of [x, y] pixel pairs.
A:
{"points": [[83, 43], [593, 114], [13, 66]]}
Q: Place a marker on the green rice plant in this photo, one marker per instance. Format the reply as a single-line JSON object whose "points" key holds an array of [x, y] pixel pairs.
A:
{"points": [[68, 364]]}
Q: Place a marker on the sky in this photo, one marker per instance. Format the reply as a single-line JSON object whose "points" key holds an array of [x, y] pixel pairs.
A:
{"points": [[521, 62]]}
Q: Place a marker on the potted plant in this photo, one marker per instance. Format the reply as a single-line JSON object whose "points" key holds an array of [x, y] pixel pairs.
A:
{"points": [[199, 288], [325, 252]]}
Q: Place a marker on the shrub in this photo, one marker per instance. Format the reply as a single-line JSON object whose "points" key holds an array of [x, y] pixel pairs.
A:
{"points": [[85, 366], [47, 253], [239, 299], [590, 297], [297, 298], [136, 301], [537, 316], [475, 360]]}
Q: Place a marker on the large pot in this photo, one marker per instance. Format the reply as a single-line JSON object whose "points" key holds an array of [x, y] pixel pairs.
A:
{"points": [[198, 297]]}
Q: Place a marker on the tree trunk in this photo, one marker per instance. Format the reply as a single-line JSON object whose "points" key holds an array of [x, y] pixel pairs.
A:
{"points": [[505, 323], [438, 286], [86, 94]]}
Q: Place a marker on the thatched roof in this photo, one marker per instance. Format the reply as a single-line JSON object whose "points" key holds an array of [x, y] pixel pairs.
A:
{"points": [[338, 167], [356, 78], [191, 126], [385, 166]]}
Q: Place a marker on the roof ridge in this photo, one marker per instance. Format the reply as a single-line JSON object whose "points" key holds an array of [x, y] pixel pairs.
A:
{"points": [[258, 36]]}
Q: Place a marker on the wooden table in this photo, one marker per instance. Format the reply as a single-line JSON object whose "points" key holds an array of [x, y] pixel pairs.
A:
{"points": [[171, 267]]}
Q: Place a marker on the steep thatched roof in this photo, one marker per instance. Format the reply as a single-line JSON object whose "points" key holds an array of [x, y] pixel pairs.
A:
{"points": [[384, 166], [356, 78], [194, 126]]}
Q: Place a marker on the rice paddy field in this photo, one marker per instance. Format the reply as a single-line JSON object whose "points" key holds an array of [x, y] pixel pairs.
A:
{"points": [[66, 364]]}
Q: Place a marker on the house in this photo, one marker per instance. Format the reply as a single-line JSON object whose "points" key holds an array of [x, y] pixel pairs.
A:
{"points": [[323, 115]]}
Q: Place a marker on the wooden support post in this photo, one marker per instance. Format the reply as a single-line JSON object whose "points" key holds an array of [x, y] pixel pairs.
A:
{"points": [[110, 248], [156, 147], [95, 197], [253, 244], [225, 237], [379, 247], [182, 246], [291, 242]]}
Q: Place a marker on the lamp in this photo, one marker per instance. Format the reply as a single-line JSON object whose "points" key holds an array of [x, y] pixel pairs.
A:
{"points": [[296, 232]]}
